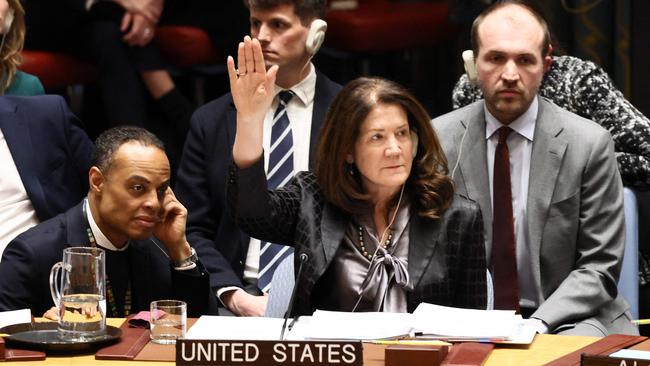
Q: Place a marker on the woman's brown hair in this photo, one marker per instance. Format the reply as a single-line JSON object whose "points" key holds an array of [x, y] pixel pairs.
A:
{"points": [[14, 40], [428, 185]]}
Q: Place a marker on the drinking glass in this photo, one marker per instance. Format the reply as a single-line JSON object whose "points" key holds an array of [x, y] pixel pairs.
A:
{"points": [[168, 321]]}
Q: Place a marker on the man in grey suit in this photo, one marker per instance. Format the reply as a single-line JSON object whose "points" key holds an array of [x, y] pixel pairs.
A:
{"points": [[546, 180]]}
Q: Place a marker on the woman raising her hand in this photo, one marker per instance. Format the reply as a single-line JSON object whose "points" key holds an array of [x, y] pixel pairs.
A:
{"points": [[378, 220]]}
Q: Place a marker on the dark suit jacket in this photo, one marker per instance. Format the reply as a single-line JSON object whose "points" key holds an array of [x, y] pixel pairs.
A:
{"points": [[201, 183], [50, 150], [26, 264], [446, 257]]}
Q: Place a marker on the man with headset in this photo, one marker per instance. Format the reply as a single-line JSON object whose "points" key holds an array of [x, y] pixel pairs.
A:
{"points": [[546, 181], [290, 33]]}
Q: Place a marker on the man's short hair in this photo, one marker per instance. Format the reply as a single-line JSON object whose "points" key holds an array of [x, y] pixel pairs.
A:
{"points": [[306, 10], [110, 141], [532, 8]]}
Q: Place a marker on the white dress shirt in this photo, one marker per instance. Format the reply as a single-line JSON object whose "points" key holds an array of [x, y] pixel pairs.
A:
{"points": [[520, 145], [299, 111], [16, 210], [100, 238]]}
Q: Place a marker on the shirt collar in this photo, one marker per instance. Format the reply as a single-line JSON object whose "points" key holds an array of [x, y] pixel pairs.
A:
{"points": [[305, 89], [523, 125], [100, 238]]}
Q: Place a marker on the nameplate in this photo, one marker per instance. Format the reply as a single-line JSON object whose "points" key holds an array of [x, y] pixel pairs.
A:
{"points": [[595, 360], [229, 352]]}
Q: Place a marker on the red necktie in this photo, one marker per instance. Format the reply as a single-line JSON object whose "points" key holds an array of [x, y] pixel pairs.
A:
{"points": [[504, 258]]}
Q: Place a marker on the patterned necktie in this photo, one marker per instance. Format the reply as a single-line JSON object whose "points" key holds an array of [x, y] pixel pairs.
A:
{"points": [[504, 258], [280, 172]]}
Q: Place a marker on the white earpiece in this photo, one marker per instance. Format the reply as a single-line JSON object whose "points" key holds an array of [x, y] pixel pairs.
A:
{"points": [[8, 21], [316, 36], [470, 66]]}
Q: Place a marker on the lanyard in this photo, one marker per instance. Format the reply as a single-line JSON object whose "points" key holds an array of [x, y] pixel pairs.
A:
{"points": [[110, 295]]}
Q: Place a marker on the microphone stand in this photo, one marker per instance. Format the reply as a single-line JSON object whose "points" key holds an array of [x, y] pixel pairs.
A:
{"points": [[303, 258]]}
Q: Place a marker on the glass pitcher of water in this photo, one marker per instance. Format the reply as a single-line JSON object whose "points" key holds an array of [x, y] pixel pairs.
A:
{"points": [[78, 284]]}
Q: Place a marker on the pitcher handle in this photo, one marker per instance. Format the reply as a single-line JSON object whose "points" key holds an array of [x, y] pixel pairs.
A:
{"points": [[55, 291]]}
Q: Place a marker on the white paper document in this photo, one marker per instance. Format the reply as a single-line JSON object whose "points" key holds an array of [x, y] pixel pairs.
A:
{"points": [[236, 328], [15, 317], [363, 326], [436, 320], [631, 353], [427, 322]]}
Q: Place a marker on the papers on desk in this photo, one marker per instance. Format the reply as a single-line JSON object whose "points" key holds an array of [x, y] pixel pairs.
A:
{"points": [[358, 326], [15, 317], [235, 328], [631, 353], [427, 322], [457, 324]]}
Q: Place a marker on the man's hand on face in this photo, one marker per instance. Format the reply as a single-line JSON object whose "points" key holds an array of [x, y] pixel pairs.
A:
{"points": [[242, 303], [171, 227]]}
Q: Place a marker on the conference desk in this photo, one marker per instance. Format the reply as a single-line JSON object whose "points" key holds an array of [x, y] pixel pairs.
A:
{"points": [[544, 349]]}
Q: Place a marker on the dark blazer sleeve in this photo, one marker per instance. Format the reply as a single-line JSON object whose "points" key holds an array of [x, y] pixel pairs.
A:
{"points": [[200, 186], [19, 277], [23, 268], [51, 151], [267, 215], [454, 270], [80, 150], [471, 270], [193, 287]]}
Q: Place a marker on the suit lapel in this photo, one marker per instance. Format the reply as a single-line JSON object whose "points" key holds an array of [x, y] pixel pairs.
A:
{"points": [[321, 102], [76, 225], [332, 231], [546, 160], [144, 276], [423, 240], [473, 163], [231, 129], [19, 141]]}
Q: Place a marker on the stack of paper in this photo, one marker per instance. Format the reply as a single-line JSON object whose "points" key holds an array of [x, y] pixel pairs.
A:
{"points": [[427, 322], [236, 328], [363, 326], [447, 322]]}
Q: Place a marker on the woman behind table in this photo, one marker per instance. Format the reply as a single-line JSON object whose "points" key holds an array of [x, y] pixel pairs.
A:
{"points": [[12, 30], [378, 220]]}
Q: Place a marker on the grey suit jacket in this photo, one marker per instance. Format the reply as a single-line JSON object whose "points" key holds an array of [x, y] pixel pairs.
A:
{"points": [[574, 209]]}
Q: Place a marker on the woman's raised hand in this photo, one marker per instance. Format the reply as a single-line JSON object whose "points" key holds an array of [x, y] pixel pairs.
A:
{"points": [[251, 84], [252, 89]]}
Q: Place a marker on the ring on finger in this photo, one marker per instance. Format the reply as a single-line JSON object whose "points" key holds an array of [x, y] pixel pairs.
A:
{"points": [[240, 73]]}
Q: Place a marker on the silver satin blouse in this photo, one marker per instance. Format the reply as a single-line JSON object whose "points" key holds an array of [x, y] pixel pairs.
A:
{"points": [[380, 284]]}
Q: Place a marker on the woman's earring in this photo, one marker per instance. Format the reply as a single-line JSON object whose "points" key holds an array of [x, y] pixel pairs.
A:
{"points": [[351, 169]]}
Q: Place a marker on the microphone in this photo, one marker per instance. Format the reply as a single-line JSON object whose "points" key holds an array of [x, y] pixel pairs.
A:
{"points": [[303, 257]]}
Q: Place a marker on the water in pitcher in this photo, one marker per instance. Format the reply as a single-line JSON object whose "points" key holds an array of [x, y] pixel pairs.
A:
{"points": [[82, 316]]}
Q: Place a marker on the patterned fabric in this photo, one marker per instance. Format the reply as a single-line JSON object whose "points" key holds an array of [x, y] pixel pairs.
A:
{"points": [[446, 256], [280, 171], [584, 88]]}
